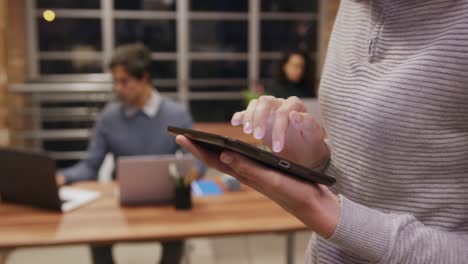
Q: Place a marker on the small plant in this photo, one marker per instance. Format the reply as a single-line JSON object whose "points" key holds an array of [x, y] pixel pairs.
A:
{"points": [[254, 92]]}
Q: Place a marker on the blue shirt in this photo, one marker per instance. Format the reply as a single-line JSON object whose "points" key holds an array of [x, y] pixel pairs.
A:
{"points": [[129, 133]]}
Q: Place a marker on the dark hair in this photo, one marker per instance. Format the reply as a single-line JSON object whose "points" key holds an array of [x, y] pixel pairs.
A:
{"points": [[306, 80], [135, 58]]}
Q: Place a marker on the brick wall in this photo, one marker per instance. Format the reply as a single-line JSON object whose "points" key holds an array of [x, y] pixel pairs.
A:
{"points": [[12, 58], [3, 74]]}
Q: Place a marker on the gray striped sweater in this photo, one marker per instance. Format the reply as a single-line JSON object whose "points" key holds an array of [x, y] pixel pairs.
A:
{"points": [[394, 95]]}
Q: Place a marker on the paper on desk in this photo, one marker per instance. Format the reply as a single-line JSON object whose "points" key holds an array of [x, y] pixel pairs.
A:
{"points": [[76, 197]]}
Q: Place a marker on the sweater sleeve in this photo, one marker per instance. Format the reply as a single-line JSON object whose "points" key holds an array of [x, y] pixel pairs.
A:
{"points": [[395, 238], [88, 168]]}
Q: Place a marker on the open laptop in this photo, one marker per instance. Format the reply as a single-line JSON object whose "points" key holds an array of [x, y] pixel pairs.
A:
{"points": [[146, 179], [29, 178]]}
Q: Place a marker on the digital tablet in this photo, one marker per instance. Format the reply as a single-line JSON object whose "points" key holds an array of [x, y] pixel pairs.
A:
{"points": [[218, 143]]}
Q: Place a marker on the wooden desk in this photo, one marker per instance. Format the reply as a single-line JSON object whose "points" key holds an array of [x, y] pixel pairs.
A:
{"points": [[104, 221]]}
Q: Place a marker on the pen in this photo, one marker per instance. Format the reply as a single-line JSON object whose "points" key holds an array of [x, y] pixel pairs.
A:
{"points": [[174, 172]]}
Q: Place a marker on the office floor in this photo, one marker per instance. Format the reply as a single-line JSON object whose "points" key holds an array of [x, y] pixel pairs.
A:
{"points": [[249, 249]]}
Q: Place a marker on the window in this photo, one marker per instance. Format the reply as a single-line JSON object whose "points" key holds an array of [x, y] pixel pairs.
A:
{"points": [[219, 69], [160, 5], [289, 6], [82, 4], [55, 35], [224, 109], [287, 35], [163, 69], [157, 35], [219, 62], [218, 36], [70, 66], [217, 5]]}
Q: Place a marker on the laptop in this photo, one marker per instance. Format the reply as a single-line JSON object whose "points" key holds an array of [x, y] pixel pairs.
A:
{"points": [[29, 178], [146, 180]]}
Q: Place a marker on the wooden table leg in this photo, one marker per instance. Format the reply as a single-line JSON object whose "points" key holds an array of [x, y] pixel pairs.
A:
{"points": [[290, 247], [4, 256]]}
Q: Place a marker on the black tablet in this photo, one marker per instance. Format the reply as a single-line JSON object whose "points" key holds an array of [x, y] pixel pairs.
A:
{"points": [[218, 143]]}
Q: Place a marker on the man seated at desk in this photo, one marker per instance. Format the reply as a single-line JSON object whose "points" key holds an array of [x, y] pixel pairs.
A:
{"points": [[134, 125]]}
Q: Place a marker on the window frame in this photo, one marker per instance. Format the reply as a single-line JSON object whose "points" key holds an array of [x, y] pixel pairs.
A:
{"points": [[183, 54]]}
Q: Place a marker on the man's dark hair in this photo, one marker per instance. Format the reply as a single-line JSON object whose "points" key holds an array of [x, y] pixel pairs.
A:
{"points": [[135, 58]]}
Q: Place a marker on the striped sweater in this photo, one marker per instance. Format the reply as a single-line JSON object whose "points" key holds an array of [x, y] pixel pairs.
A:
{"points": [[394, 95]]}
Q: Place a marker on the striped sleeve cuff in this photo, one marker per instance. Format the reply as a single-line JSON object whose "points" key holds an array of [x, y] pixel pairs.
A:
{"points": [[363, 232]]}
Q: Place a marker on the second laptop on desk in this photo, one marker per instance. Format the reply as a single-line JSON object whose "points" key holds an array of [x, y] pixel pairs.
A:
{"points": [[146, 180]]}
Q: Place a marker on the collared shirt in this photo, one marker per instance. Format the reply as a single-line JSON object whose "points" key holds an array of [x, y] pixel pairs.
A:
{"points": [[151, 107]]}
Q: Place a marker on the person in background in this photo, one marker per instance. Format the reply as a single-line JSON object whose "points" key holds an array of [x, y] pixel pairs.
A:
{"points": [[292, 77], [136, 124]]}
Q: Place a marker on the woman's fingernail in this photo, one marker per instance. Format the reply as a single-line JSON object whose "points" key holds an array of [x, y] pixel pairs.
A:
{"points": [[259, 133], [235, 119], [226, 158], [277, 146], [248, 127]]}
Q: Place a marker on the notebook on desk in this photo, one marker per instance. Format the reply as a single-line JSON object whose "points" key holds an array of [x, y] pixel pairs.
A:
{"points": [[205, 188], [29, 178]]}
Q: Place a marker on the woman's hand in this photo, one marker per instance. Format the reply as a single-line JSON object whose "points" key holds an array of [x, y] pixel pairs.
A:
{"points": [[286, 128], [314, 205]]}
